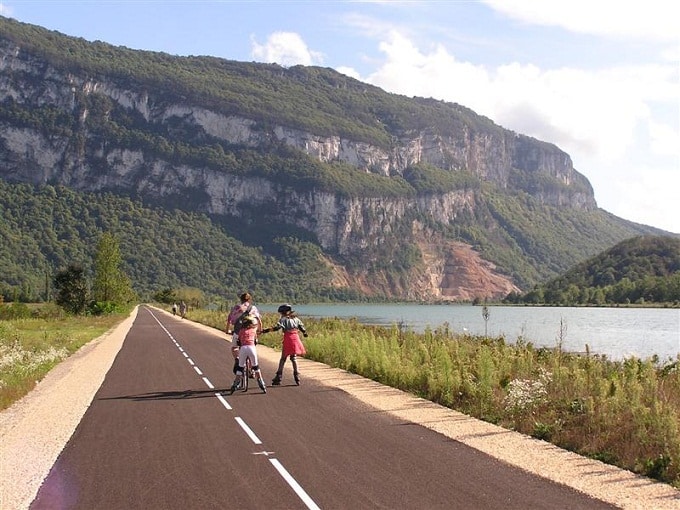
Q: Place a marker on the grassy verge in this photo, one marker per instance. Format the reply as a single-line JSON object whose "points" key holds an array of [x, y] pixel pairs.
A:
{"points": [[30, 347], [624, 413]]}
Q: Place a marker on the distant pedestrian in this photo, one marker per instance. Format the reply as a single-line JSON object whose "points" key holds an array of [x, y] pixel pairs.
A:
{"points": [[174, 309], [182, 309], [292, 345]]}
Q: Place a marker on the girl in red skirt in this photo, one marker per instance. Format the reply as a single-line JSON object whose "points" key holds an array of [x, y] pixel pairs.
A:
{"points": [[292, 345]]}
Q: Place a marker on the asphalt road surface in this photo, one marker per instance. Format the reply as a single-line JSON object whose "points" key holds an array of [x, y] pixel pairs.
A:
{"points": [[163, 433]]}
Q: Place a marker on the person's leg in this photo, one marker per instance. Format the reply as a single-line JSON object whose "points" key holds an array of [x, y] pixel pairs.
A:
{"points": [[242, 355], [237, 380], [255, 363], [279, 372], [296, 375], [260, 379]]}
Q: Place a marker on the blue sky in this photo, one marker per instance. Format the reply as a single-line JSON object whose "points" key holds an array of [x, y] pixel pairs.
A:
{"points": [[598, 78]]}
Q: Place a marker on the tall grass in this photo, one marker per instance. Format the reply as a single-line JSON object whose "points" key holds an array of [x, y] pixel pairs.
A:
{"points": [[625, 413], [31, 347]]}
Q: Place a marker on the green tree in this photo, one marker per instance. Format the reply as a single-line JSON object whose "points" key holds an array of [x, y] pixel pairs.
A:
{"points": [[165, 296], [110, 283], [191, 296], [71, 287]]}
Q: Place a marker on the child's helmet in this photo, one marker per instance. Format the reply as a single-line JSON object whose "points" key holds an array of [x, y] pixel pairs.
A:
{"points": [[285, 308], [249, 320]]}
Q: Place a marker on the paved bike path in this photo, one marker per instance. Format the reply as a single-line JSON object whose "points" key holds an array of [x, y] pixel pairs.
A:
{"points": [[161, 434]]}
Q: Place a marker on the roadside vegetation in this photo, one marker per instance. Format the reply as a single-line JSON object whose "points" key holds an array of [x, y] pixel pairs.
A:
{"points": [[624, 413], [36, 337], [33, 340]]}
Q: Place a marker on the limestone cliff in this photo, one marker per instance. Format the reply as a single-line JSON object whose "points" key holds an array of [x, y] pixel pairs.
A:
{"points": [[344, 225]]}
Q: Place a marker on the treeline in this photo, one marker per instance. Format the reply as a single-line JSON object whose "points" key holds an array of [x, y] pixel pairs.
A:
{"points": [[44, 230], [644, 269]]}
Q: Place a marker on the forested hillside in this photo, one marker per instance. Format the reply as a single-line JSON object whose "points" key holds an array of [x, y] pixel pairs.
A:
{"points": [[43, 230], [640, 270], [302, 182]]}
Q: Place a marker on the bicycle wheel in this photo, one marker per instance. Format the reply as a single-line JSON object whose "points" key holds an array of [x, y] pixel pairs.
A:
{"points": [[246, 374]]}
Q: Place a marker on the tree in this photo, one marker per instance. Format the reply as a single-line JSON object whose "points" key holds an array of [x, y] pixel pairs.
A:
{"points": [[71, 287], [110, 283], [191, 295], [165, 296]]}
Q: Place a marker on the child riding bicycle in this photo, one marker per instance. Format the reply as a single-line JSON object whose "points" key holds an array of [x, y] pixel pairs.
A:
{"points": [[234, 322], [245, 343]]}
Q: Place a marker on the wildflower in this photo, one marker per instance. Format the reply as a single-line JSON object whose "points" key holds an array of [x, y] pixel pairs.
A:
{"points": [[525, 394]]}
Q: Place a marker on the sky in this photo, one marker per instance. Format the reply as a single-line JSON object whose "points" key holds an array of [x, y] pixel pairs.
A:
{"points": [[598, 78]]}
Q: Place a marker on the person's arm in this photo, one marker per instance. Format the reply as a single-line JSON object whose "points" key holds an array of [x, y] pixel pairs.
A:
{"points": [[234, 314], [229, 326], [276, 327], [234, 346]]}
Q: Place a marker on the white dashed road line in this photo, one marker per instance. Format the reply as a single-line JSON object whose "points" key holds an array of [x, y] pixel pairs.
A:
{"points": [[248, 430], [294, 485], [309, 502]]}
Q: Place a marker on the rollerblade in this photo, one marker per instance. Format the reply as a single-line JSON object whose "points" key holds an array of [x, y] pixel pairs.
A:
{"points": [[260, 383], [277, 380], [296, 376]]}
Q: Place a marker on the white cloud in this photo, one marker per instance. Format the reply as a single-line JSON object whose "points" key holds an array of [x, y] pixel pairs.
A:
{"points": [[5, 11], [285, 48], [595, 112], [648, 196], [664, 140], [652, 19]]}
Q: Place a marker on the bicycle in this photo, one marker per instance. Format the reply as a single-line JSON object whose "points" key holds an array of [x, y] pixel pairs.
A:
{"points": [[247, 375]]}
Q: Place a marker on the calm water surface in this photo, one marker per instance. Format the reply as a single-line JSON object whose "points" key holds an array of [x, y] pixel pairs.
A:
{"points": [[615, 332]]}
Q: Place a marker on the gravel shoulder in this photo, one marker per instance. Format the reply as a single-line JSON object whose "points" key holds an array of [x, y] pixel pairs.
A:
{"points": [[35, 429]]}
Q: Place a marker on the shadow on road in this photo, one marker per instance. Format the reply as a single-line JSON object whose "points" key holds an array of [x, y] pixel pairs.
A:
{"points": [[168, 395]]}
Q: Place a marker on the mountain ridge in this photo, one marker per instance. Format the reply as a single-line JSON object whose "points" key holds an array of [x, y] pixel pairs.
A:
{"points": [[361, 173]]}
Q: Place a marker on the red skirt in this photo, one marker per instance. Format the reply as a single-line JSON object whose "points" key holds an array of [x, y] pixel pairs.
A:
{"points": [[292, 344]]}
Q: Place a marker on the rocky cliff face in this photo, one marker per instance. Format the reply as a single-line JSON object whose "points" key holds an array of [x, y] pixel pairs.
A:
{"points": [[343, 225]]}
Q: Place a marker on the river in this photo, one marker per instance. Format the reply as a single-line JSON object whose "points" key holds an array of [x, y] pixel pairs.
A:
{"points": [[618, 333]]}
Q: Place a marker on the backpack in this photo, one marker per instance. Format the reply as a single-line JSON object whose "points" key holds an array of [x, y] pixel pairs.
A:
{"points": [[239, 322]]}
